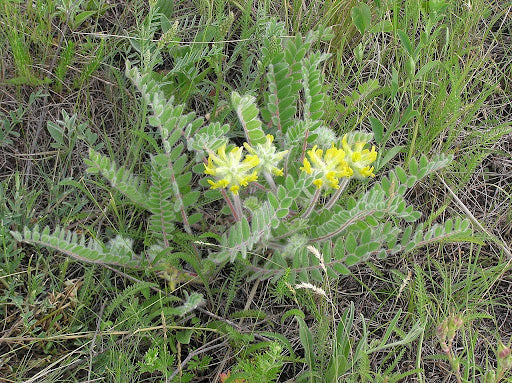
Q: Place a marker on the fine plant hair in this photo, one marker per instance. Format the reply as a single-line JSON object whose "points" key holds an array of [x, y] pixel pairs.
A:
{"points": [[284, 213]]}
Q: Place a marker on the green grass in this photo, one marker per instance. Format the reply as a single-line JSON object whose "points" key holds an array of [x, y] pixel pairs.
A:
{"points": [[71, 321]]}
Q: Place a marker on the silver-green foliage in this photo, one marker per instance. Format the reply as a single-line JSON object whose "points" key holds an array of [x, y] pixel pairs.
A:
{"points": [[171, 196], [119, 177], [282, 215], [117, 252], [168, 196], [247, 111], [345, 235], [377, 222]]}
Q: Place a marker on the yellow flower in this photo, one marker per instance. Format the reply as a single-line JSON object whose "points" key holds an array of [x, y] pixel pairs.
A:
{"points": [[269, 159], [229, 169], [328, 168], [359, 159]]}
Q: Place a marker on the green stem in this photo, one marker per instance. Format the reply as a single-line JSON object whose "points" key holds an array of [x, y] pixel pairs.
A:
{"points": [[418, 354]]}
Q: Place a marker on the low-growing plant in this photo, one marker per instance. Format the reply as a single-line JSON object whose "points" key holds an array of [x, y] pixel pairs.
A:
{"points": [[263, 190], [276, 179], [282, 190], [9, 122], [261, 367], [447, 332]]}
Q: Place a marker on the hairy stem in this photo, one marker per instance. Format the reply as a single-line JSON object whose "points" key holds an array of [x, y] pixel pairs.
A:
{"points": [[453, 363], [238, 205], [312, 204], [343, 184], [270, 181], [231, 206]]}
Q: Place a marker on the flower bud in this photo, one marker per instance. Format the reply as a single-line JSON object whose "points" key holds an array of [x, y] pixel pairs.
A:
{"points": [[504, 357], [453, 324]]}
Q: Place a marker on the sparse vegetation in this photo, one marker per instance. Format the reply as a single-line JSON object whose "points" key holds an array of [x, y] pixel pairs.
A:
{"points": [[120, 264]]}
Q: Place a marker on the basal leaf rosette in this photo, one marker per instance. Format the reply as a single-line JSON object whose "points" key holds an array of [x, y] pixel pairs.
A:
{"points": [[229, 170], [328, 168], [358, 158]]}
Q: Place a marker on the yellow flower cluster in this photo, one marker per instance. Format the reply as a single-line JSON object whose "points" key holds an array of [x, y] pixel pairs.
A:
{"points": [[230, 170], [352, 160], [359, 159], [269, 158], [328, 169]]}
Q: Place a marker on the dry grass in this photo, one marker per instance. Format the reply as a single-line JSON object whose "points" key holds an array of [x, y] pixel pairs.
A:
{"points": [[49, 306]]}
